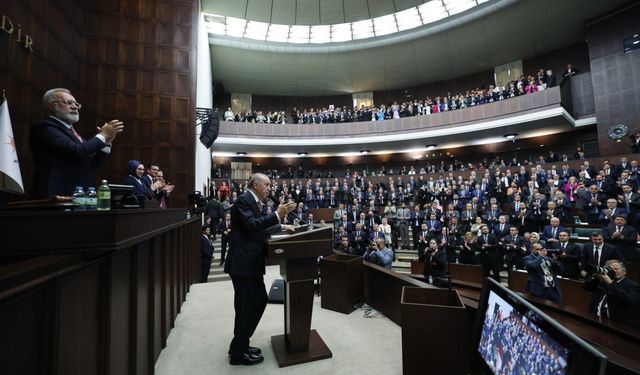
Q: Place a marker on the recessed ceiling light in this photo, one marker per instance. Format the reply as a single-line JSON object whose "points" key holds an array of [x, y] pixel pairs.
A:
{"points": [[364, 152], [431, 146], [510, 135], [241, 153], [303, 153]]}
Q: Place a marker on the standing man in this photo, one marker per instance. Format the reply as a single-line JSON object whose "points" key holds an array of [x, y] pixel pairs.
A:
{"points": [[63, 159], [225, 230], [543, 280], [207, 253], [245, 264], [214, 212]]}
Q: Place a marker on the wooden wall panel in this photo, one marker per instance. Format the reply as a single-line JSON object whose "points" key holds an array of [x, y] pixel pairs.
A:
{"points": [[130, 60]]}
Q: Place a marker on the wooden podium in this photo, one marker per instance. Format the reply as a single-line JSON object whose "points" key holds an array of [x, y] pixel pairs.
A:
{"points": [[298, 255]]}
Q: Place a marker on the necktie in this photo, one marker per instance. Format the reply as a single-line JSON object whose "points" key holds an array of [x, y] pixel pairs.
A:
{"points": [[564, 246], [76, 134], [486, 240], [618, 229], [553, 234], [596, 256]]}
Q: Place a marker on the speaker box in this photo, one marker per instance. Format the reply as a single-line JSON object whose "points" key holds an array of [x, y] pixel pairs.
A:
{"points": [[276, 293], [210, 129]]}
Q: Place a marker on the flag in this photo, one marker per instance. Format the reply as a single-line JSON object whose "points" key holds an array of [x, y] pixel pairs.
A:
{"points": [[10, 177]]}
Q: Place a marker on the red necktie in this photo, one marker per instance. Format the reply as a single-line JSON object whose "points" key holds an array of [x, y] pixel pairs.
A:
{"points": [[76, 134]]}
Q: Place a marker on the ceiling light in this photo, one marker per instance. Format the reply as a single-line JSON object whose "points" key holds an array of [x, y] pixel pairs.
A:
{"points": [[241, 153], [431, 146], [364, 152], [303, 153], [510, 135]]}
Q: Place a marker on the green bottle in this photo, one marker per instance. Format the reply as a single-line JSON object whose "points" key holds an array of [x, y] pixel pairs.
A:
{"points": [[104, 197]]}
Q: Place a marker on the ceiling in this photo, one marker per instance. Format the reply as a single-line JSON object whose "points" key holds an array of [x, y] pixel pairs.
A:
{"points": [[306, 12], [491, 34]]}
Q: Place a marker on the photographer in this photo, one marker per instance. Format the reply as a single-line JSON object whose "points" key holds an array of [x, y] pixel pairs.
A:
{"points": [[542, 281], [378, 254], [616, 297]]}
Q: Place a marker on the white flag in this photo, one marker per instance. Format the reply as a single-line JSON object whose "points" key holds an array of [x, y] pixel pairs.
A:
{"points": [[9, 165]]}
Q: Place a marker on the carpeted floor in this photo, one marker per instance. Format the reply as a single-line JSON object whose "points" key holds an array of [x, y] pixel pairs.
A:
{"points": [[199, 341]]}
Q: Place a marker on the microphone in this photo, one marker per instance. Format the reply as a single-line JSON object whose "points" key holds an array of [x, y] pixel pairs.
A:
{"points": [[273, 199]]}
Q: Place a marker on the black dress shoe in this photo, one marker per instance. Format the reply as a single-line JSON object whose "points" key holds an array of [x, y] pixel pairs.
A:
{"points": [[252, 350], [246, 360]]}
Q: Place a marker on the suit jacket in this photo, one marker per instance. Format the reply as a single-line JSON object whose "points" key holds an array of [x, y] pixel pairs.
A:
{"points": [[547, 233], [608, 252], [570, 260], [623, 301], [207, 248], [248, 237], [502, 233], [61, 161], [492, 241], [140, 188], [626, 244], [535, 281]]}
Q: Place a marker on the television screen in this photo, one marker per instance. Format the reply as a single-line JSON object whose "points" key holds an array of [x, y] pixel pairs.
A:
{"points": [[513, 337], [510, 343]]}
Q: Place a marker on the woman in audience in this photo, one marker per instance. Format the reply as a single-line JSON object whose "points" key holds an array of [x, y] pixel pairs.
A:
{"points": [[467, 249], [571, 191], [475, 227], [135, 171]]}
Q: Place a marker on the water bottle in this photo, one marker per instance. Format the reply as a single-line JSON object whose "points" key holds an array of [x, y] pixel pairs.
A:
{"points": [[79, 198], [104, 197], [430, 279], [91, 199], [188, 215]]}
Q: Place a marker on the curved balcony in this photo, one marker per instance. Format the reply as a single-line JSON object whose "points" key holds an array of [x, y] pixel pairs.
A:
{"points": [[543, 113]]}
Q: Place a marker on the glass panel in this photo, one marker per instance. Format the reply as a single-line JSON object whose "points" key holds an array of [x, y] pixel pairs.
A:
{"points": [[236, 26], [341, 32], [299, 34], [385, 25], [432, 11], [408, 19], [256, 30], [458, 6], [362, 29], [278, 33], [320, 34]]}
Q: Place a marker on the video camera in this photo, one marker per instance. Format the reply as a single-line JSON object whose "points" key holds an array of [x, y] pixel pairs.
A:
{"points": [[198, 201], [591, 282]]}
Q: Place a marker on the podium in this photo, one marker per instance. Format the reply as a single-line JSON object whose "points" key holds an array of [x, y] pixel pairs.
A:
{"points": [[298, 256]]}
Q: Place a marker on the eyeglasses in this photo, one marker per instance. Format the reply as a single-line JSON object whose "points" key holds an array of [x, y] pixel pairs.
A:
{"points": [[69, 103]]}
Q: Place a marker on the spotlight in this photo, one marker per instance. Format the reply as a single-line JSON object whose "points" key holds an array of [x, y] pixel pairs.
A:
{"points": [[303, 153], [364, 152], [431, 146], [510, 135], [241, 153]]}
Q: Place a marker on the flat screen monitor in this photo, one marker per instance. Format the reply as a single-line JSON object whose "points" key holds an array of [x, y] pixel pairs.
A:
{"points": [[513, 337]]}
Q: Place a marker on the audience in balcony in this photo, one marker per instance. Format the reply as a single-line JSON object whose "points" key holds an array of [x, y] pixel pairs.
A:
{"points": [[340, 114]]}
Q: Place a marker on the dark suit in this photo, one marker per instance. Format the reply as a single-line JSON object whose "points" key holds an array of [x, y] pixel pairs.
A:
{"points": [[608, 252], [626, 244], [622, 302], [490, 255], [224, 239], [570, 260], [245, 264], [207, 256], [535, 281], [61, 161]]}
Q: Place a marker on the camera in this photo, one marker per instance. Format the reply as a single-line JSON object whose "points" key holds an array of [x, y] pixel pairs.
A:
{"points": [[591, 282]]}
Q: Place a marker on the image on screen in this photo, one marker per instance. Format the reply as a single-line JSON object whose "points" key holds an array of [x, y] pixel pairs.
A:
{"points": [[511, 343]]}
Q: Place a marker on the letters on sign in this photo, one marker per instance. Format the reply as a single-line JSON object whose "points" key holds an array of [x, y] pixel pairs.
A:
{"points": [[21, 38]]}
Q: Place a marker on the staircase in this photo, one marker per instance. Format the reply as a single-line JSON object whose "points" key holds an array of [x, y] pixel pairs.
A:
{"points": [[216, 272]]}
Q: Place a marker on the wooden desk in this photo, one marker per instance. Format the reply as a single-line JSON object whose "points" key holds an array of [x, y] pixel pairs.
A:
{"points": [[104, 307]]}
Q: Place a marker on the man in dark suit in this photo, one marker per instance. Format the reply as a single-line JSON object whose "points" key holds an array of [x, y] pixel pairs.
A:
{"points": [[245, 264], [598, 253], [569, 255], [551, 231], [624, 237], [542, 279], [617, 299], [487, 245], [225, 231], [207, 253], [62, 158], [213, 210]]}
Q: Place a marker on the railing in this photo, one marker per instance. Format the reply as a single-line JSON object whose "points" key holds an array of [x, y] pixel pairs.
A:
{"points": [[521, 105]]}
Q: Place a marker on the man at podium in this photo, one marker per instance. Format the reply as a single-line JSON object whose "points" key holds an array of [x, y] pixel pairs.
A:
{"points": [[245, 264]]}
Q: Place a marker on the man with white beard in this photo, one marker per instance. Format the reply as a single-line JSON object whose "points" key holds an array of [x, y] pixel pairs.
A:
{"points": [[63, 159]]}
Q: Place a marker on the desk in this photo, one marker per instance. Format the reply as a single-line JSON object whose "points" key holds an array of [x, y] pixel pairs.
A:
{"points": [[104, 307]]}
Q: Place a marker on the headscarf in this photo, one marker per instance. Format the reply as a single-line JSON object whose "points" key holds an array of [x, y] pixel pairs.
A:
{"points": [[132, 165]]}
